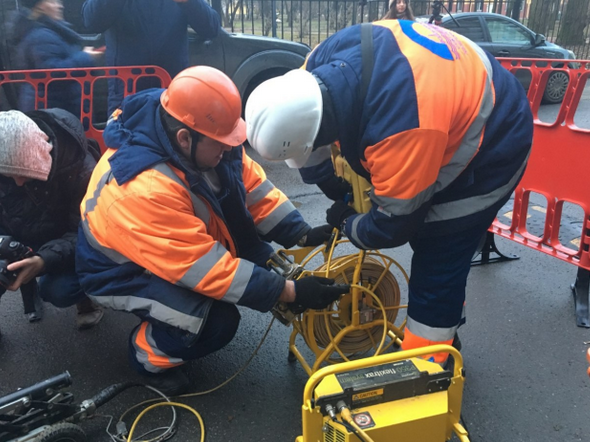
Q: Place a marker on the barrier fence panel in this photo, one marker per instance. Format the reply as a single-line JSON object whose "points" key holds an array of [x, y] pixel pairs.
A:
{"points": [[558, 170], [93, 88]]}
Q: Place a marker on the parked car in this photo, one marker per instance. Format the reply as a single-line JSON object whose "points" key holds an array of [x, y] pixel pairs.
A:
{"points": [[247, 59], [504, 37]]}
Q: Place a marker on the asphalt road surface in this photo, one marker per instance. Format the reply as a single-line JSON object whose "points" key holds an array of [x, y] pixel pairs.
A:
{"points": [[524, 356]]}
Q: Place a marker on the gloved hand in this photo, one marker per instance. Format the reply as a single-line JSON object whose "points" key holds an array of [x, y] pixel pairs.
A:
{"points": [[338, 212], [335, 188], [317, 293], [316, 236]]}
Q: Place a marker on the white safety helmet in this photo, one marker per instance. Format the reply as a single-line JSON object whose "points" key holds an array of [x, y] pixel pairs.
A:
{"points": [[283, 117]]}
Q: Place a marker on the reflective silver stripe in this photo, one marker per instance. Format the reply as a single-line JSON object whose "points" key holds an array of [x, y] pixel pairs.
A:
{"points": [[319, 155], [259, 193], [431, 333], [202, 266], [142, 356], [206, 263], [240, 282], [461, 158], [91, 202], [150, 340], [113, 255], [156, 309], [474, 204], [354, 234], [402, 206], [199, 207], [275, 217], [472, 138]]}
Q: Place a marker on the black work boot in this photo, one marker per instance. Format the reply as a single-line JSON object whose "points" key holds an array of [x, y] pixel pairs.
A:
{"points": [[172, 382]]}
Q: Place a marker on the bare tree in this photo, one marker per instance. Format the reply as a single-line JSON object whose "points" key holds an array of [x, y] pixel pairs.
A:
{"points": [[515, 9], [341, 14], [542, 15], [573, 21], [231, 9]]}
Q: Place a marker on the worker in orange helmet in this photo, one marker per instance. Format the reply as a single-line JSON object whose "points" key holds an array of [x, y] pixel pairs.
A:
{"points": [[176, 225]]}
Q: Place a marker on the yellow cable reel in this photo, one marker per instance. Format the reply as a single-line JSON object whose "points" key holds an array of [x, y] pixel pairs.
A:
{"points": [[362, 322], [380, 284]]}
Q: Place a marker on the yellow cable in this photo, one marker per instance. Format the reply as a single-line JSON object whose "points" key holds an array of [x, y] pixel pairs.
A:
{"points": [[326, 326], [347, 416], [169, 404], [201, 393]]}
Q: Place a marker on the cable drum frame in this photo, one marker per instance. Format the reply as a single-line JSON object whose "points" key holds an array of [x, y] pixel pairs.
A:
{"points": [[360, 322], [379, 291]]}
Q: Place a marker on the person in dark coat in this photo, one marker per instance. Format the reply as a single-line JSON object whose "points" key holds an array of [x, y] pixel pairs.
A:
{"points": [[43, 40], [45, 166], [148, 32]]}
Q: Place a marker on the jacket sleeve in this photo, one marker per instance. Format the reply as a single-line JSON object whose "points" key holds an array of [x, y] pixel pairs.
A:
{"points": [[100, 15], [202, 18], [50, 52], [404, 170], [318, 167], [159, 231], [59, 254], [275, 217]]}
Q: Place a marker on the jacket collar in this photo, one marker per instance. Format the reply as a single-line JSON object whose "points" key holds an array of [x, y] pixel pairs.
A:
{"points": [[140, 139]]}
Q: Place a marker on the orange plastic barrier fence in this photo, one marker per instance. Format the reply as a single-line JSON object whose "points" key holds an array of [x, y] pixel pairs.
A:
{"points": [[558, 169], [91, 80]]}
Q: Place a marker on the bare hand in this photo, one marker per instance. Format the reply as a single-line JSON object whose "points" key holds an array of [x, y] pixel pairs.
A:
{"points": [[288, 293], [26, 269]]}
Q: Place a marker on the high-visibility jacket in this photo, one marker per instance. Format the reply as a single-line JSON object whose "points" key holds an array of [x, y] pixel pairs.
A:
{"points": [[442, 134], [148, 214]]}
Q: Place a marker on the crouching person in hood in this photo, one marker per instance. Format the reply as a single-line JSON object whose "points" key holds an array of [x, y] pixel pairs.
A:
{"points": [[45, 165]]}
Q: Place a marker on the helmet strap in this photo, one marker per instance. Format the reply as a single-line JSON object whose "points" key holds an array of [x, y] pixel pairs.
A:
{"points": [[195, 136]]}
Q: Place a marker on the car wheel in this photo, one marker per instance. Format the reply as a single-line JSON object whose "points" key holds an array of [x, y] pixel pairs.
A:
{"points": [[257, 80], [556, 86]]}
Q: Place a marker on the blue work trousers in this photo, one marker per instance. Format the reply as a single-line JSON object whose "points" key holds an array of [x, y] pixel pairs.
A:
{"points": [[219, 329], [440, 266], [61, 289]]}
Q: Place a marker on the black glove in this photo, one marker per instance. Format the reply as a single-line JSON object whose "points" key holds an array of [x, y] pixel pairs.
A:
{"points": [[335, 188], [317, 293], [339, 211], [316, 236]]}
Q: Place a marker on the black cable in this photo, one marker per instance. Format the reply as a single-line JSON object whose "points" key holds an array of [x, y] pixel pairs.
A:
{"points": [[110, 392], [351, 429]]}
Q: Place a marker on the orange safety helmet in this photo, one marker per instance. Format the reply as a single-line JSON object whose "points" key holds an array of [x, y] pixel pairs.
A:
{"points": [[207, 101]]}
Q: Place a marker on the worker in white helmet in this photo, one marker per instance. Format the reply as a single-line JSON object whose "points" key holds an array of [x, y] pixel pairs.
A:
{"points": [[441, 131]]}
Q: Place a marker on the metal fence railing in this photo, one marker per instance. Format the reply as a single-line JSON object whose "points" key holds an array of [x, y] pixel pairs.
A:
{"points": [[307, 21], [564, 22]]}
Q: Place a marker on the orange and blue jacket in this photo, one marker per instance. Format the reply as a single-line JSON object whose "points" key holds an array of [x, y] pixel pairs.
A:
{"points": [[443, 133], [148, 216]]}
